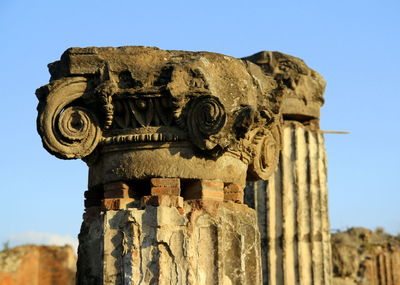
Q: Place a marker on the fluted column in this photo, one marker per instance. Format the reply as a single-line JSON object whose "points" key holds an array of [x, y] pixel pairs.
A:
{"points": [[292, 210], [202, 243], [292, 204]]}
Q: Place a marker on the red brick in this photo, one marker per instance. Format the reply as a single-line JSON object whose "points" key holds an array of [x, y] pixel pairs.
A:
{"points": [[165, 191], [163, 200], [215, 184], [219, 195], [165, 182], [205, 189], [116, 204]]}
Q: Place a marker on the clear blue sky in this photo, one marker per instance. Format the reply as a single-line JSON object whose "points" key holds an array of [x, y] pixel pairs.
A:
{"points": [[355, 45]]}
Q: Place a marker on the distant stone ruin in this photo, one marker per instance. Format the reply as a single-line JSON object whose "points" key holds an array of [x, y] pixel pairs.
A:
{"points": [[38, 265], [364, 257], [171, 139]]}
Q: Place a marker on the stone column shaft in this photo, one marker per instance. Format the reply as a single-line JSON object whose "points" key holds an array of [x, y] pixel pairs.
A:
{"points": [[158, 245], [292, 209]]}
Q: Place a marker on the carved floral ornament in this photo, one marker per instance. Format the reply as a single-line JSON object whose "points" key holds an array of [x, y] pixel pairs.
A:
{"points": [[131, 97]]}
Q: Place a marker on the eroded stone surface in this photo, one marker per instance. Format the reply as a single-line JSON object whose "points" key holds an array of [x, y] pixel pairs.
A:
{"points": [[212, 243], [303, 86]]}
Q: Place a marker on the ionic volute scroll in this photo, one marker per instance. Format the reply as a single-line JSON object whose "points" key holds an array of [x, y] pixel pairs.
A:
{"points": [[206, 117], [68, 130], [260, 134]]}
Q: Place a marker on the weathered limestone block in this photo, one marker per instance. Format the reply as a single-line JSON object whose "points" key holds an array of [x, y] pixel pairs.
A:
{"points": [[292, 206], [210, 244], [170, 138]]}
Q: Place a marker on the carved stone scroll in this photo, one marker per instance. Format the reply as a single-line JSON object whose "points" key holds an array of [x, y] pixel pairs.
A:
{"points": [[205, 117], [67, 131]]}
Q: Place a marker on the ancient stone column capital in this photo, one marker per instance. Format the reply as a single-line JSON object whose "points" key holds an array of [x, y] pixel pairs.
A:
{"points": [[140, 112], [303, 87]]}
